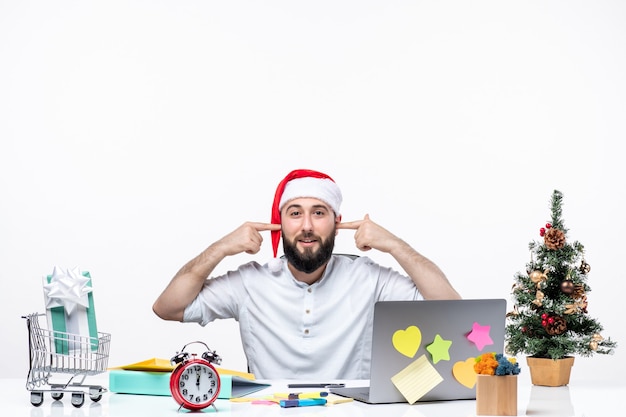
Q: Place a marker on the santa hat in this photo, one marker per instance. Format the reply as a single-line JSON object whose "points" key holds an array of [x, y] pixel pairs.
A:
{"points": [[302, 183]]}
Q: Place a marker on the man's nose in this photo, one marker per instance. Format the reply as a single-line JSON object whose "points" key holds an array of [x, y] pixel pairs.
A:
{"points": [[307, 224]]}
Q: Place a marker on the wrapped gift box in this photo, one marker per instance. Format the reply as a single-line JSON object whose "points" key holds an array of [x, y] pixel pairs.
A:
{"points": [[70, 311]]}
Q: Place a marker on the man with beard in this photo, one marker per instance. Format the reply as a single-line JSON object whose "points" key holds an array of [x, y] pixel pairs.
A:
{"points": [[310, 314]]}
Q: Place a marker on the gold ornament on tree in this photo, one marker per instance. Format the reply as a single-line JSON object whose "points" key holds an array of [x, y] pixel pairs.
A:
{"points": [[577, 306], [538, 301], [539, 277], [514, 312], [595, 339]]}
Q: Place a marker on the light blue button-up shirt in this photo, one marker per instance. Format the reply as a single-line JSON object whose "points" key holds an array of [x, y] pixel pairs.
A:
{"points": [[291, 330]]}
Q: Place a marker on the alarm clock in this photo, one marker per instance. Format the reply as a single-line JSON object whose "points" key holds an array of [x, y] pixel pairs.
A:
{"points": [[194, 382]]}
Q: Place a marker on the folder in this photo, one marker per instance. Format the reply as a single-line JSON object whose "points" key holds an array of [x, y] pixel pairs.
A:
{"points": [[152, 377]]}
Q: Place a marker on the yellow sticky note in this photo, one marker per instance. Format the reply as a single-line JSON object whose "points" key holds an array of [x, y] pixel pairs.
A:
{"points": [[416, 379], [407, 341], [332, 399]]}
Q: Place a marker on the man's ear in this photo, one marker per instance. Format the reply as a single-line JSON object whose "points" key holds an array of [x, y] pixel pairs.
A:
{"points": [[337, 221]]}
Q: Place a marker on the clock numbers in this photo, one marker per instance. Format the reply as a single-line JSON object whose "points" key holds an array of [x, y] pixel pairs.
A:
{"points": [[194, 383], [190, 384]]}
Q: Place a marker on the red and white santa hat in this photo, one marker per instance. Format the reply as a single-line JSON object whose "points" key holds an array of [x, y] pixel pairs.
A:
{"points": [[302, 183]]}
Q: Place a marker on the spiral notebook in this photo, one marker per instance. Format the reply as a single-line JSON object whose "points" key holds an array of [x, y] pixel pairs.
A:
{"points": [[425, 350]]}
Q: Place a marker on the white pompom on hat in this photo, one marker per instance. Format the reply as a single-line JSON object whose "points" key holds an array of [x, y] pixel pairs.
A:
{"points": [[302, 183]]}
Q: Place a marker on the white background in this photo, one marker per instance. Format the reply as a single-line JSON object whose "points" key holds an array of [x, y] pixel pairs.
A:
{"points": [[135, 133]]}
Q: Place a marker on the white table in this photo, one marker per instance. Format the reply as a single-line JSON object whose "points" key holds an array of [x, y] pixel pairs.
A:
{"points": [[582, 398]]}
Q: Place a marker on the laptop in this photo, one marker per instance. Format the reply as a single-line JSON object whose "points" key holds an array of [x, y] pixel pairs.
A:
{"points": [[435, 343]]}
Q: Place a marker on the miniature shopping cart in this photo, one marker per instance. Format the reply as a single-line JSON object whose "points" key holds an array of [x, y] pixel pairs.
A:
{"points": [[53, 352]]}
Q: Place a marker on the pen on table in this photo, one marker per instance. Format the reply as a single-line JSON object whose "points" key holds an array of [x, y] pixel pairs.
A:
{"points": [[299, 395], [305, 402], [317, 385]]}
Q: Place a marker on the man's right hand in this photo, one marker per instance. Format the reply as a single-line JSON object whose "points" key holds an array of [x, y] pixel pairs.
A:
{"points": [[246, 238]]}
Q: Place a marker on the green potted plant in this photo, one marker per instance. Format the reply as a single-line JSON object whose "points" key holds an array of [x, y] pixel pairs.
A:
{"points": [[550, 320]]}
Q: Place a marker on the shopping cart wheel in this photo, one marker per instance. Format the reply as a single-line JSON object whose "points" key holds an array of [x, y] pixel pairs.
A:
{"points": [[57, 395], [78, 399], [95, 393], [36, 398]]}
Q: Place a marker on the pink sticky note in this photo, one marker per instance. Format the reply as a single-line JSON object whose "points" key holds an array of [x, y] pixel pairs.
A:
{"points": [[263, 402], [480, 336]]}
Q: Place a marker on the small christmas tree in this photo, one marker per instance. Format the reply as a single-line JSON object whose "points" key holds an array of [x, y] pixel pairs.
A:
{"points": [[550, 317]]}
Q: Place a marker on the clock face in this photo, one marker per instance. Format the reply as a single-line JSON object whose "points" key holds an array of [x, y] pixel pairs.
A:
{"points": [[195, 384]]}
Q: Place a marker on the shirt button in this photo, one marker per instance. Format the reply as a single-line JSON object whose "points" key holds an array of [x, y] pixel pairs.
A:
{"points": [[306, 331], [307, 311], [310, 289]]}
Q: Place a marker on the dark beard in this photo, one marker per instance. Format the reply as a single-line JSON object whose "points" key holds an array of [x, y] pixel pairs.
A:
{"points": [[309, 261]]}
